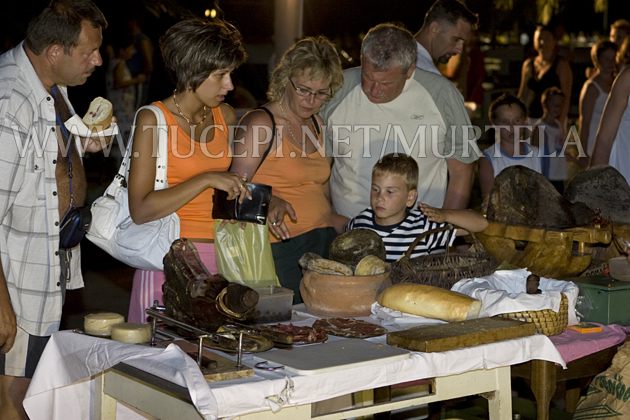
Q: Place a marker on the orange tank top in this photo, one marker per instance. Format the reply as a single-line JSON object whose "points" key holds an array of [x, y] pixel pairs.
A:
{"points": [[188, 158], [300, 179]]}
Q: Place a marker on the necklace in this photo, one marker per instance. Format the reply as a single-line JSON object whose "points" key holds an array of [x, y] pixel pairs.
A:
{"points": [[284, 115], [190, 120]]}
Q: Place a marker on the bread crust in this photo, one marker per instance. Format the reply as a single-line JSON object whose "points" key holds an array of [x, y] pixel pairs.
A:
{"points": [[430, 302]]}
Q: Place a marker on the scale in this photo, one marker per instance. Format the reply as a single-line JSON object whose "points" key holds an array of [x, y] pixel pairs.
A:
{"points": [[214, 367]]}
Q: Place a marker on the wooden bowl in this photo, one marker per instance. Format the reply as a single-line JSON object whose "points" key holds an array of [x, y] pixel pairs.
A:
{"points": [[337, 295], [550, 253]]}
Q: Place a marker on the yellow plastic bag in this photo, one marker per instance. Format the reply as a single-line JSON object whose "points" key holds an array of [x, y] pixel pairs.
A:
{"points": [[244, 254]]}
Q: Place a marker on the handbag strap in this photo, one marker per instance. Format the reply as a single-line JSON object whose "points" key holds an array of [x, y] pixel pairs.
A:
{"points": [[161, 181], [273, 134]]}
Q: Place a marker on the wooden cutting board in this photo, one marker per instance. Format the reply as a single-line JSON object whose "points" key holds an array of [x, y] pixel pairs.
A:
{"points": [[455, 335]]}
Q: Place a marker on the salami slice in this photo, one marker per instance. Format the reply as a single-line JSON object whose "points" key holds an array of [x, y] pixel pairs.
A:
{"points": [[301, 335], [348, 327]]}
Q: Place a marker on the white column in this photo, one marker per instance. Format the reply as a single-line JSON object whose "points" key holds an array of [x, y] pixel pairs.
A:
{"points": [[287, 27]]}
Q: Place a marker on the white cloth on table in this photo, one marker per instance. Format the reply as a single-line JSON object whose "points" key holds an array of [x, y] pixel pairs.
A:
{"points": [[71, 358], [504, 291]]}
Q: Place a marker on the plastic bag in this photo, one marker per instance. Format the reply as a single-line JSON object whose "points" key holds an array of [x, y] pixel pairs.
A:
{"points": [[608, 395], [244, 254]]}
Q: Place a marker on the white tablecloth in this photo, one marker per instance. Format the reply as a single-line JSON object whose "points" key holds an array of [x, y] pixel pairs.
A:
{"points": [[63, 385]]}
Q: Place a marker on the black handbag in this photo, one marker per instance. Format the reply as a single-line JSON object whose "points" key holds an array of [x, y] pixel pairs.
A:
{"points": [[254, 210], [74, 226]]}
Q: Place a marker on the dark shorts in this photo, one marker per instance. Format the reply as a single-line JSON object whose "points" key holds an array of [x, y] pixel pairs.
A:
{"points": [[287, 253], [23, 357]]}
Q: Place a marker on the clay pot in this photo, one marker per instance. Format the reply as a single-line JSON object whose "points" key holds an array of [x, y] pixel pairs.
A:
{"points": [[337, 295]]}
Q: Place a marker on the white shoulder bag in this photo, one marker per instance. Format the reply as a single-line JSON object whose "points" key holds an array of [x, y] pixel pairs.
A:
{"points": [[140, 246]]}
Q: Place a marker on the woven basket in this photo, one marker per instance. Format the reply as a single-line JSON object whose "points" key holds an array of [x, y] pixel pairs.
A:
{"points": [[547, 322], [441, 270]]}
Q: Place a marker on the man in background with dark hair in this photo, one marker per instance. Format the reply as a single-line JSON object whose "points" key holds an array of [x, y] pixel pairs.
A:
{"points": [[41, 178], [446, 28]]}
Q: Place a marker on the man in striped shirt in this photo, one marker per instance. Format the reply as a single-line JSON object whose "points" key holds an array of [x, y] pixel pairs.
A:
{"points": [[392, 196], [36, 159]]}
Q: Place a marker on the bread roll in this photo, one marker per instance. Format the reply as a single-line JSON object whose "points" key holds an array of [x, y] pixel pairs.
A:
{"points": [[430, 302], [325, 266], [99, 115], [370, 265]]}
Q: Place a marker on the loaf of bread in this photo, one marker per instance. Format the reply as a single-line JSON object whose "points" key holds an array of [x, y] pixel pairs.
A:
{"points": [[131, 333], [100, 323], [99, 115], [325, 266], [430, 302]]}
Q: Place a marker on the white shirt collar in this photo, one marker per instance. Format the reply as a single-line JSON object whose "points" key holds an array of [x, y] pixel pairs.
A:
{"points": [[424, 60]]}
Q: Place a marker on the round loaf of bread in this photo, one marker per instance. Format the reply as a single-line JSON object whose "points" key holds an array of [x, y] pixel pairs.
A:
{"points": [[100, 324], [370, 265], [430, 302], [99, 114], [131, 333]]}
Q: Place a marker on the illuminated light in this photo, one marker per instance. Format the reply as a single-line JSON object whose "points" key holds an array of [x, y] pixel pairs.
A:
{"points": [[212, 13], [206, 13]]}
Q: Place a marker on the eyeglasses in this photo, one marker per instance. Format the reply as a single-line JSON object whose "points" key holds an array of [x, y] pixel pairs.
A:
{"points": [[302, 91]]}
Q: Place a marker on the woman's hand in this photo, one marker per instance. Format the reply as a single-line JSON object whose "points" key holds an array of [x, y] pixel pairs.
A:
{"points": [[278, 208], [233, 184]]}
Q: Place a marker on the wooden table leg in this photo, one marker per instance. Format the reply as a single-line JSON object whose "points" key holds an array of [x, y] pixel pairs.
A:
{"points": [[543, 386]]}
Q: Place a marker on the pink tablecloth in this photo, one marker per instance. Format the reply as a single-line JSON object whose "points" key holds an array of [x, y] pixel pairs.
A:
{"points": [[573, 345]]}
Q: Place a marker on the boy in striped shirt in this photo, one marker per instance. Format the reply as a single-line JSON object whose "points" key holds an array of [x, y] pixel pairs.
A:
{"points": [[393, 195]]}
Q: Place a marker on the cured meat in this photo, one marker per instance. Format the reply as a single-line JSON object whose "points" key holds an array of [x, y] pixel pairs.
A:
{"points": [[194, 296], [348, 327], [521, 196], [300, 335]]}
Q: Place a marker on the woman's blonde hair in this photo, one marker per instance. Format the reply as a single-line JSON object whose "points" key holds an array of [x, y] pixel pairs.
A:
{"points": [[314, 56]]}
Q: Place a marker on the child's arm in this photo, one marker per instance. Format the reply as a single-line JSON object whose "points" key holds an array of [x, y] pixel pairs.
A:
{"points": [[466, 219]]}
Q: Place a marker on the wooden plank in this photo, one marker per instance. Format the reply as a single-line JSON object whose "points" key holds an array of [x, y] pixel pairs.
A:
{"points": [[214, 366], [454, 335]]}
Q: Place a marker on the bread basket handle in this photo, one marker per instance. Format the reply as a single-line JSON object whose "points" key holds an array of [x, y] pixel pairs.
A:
{"points": [[424, 235]]}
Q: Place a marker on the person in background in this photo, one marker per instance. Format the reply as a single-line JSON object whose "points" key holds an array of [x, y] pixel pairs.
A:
{"points": [[623, 54], [300, 216], [388, 105], [141, 62], [40, 172], [612, 143], [468, 72], [391, 214], [619, 30], [547, 69], [121, 86], [549, 135], [594, 94], [508, 116], [200, 54], [446, 29]]}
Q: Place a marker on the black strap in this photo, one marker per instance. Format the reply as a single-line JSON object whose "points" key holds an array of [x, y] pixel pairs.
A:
{"points": [[273, 134], [316, 124], [62, 114]]}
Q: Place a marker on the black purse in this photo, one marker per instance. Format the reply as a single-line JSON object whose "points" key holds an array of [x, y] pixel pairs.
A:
{"points": [[254, 210], [74, 226]]}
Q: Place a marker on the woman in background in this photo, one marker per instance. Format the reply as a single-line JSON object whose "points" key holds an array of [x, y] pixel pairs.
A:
{"points": [[595, 92], [547, 69]]}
